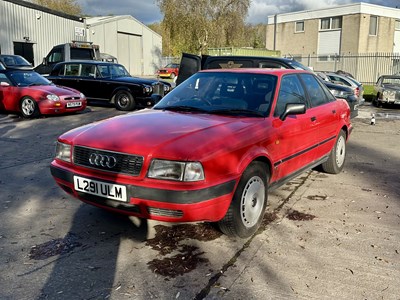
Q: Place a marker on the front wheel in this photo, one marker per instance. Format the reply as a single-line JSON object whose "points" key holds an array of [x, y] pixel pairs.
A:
{"points": [[337, 157], [29, 108], [246, 211], [124, 100]]}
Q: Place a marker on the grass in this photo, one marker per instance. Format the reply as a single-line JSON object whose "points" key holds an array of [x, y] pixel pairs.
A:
{"points": [[369, 92]]}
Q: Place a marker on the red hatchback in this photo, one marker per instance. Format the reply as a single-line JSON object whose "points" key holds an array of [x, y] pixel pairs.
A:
{"points": [[210, 150], [169, 71], [30, 94]]}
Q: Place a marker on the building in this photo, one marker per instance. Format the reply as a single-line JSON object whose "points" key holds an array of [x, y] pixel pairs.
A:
{"points": [[353, 29], [31, 31]]}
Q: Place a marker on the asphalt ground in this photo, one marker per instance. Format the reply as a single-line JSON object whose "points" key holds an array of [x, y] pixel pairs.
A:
{"points": [[323, 237]]}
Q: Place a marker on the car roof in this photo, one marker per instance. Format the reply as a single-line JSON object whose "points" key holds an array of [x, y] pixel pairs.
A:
{"points": [[272, 71], [90, 62]]}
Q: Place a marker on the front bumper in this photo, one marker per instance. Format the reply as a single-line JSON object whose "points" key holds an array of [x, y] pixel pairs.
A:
{"points": [[204, 204]]}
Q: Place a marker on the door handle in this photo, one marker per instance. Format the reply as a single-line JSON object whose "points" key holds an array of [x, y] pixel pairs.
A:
{"points": [[313, 119]]}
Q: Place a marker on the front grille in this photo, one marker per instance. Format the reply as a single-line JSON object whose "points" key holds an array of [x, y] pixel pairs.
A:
{"points": [[72, 98], [158, 88], [124, 163]]}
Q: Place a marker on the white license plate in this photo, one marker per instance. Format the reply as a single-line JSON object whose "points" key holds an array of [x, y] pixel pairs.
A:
{"points": [[99, 188], [74, 104]]}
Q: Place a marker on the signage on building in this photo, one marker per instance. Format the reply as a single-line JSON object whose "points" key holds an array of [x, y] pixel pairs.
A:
{"points": [[79, 31]]}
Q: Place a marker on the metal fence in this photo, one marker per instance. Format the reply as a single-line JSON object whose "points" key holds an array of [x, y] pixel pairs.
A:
{"points": [[366, 68]]}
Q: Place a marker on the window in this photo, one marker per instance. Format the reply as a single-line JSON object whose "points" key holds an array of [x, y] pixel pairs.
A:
{"points": [[331, 23], [291, 91], [373, 25], [299, 26], [397, 24], [56, 56], [72, 69], [315, 91]]}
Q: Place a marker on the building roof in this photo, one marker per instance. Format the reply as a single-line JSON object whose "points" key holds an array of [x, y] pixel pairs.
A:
{"points": [[340, 10]]}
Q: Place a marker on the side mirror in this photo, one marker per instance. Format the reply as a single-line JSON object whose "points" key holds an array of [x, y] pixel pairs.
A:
{"points": [[293, 109], [3, 83], [44, 61]]}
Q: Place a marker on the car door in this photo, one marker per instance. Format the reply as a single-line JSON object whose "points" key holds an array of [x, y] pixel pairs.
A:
{"points": [[324, 113], [295, 136], [190, 64]]}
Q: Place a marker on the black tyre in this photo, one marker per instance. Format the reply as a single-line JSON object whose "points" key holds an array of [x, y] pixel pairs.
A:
{"points": [[246, 211], [337, 157], [124, 100], [29, 108]]}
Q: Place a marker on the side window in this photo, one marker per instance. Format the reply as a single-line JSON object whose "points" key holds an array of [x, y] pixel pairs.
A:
{"points": [[315, 91], [291, 91], [56, 56], [71, 69], [88, 71]]}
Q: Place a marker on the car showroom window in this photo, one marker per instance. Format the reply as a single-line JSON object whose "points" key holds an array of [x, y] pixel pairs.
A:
{"points": [[291, 91], [315, 91]]}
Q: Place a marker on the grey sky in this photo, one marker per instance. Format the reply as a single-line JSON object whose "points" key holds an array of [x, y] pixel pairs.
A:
{"points": [[148, 12]]}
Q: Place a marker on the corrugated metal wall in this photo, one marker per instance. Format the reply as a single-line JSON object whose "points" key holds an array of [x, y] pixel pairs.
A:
{"points": [[43, 29]]}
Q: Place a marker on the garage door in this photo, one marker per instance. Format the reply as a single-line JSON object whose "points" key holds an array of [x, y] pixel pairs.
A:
{"points": [[130, 52]]}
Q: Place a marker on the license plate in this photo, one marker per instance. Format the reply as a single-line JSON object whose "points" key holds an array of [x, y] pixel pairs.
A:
{"points": [[74, 104], [99, 188]]}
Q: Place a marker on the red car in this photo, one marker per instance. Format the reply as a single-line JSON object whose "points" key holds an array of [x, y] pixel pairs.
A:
{"points": [[28, 93], [210, 150], [169, 71]]}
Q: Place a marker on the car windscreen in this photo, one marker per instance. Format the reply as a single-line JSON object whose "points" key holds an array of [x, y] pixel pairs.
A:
{"points": [[28, 78], [223, 93]]}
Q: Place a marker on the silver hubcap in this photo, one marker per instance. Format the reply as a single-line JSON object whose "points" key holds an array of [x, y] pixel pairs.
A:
{"points": [[28, 107], [252, 201], [340, 151], [123, 100]]}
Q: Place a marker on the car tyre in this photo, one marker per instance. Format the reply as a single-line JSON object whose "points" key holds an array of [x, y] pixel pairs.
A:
{"points": [[29, 107], [124, 100], [337, 157], [246, 211]]}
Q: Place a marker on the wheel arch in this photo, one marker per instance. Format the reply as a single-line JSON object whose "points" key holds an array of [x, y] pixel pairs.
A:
{"points": [[121, 88], [259, 155]]}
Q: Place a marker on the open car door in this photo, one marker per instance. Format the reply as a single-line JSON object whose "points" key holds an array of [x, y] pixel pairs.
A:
{"points": [[190, 64]]}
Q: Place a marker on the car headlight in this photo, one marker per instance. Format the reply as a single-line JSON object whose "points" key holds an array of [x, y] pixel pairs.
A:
{"points": [[82, 95], [340, 94], [63, 152], [176, 170], [147, 89], [53, 97]]}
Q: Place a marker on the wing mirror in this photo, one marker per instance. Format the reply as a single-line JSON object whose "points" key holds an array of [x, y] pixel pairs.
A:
{"points": [[293, 109], [3, 83]]}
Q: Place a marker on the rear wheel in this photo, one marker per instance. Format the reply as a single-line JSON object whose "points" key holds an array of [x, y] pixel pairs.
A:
{"points": [[29, 108], [246, 211], [124, 100], [337, 157]]}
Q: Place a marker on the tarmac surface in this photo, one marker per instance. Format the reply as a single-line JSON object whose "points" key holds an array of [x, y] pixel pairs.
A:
{"points": [[323, 237]]}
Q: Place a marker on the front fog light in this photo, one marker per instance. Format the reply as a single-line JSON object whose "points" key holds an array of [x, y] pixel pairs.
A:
{"points": [[63, 152]]}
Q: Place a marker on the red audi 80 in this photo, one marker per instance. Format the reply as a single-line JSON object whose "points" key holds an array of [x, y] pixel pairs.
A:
{"points": [[210, 150], [30, 94]]}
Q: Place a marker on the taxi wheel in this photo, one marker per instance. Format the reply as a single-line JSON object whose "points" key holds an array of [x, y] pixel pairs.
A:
{"points": [[124, 100], [337, 157], [247, 208], [29, 107]]}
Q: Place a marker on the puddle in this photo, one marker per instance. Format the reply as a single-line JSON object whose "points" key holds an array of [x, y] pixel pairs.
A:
{"points": [[54, 247], [317, 197], [167, 240], [295, 215]]}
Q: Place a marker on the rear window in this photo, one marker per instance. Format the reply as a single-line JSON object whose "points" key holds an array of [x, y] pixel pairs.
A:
{"points": [[81, 53]]}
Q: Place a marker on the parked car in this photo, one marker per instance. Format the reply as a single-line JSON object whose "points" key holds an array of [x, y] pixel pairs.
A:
{"points": [[28, 93], [191, 64], [387, 90], [210, 150], [169, 71], [110, 82], [10, 61], [357, 87]]}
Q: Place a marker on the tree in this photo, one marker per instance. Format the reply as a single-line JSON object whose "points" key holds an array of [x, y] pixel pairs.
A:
{"points": [[65, 6], [193, 26]]}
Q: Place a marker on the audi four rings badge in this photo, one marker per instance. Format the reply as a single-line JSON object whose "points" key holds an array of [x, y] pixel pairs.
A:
{"points": [[101, 160]]}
